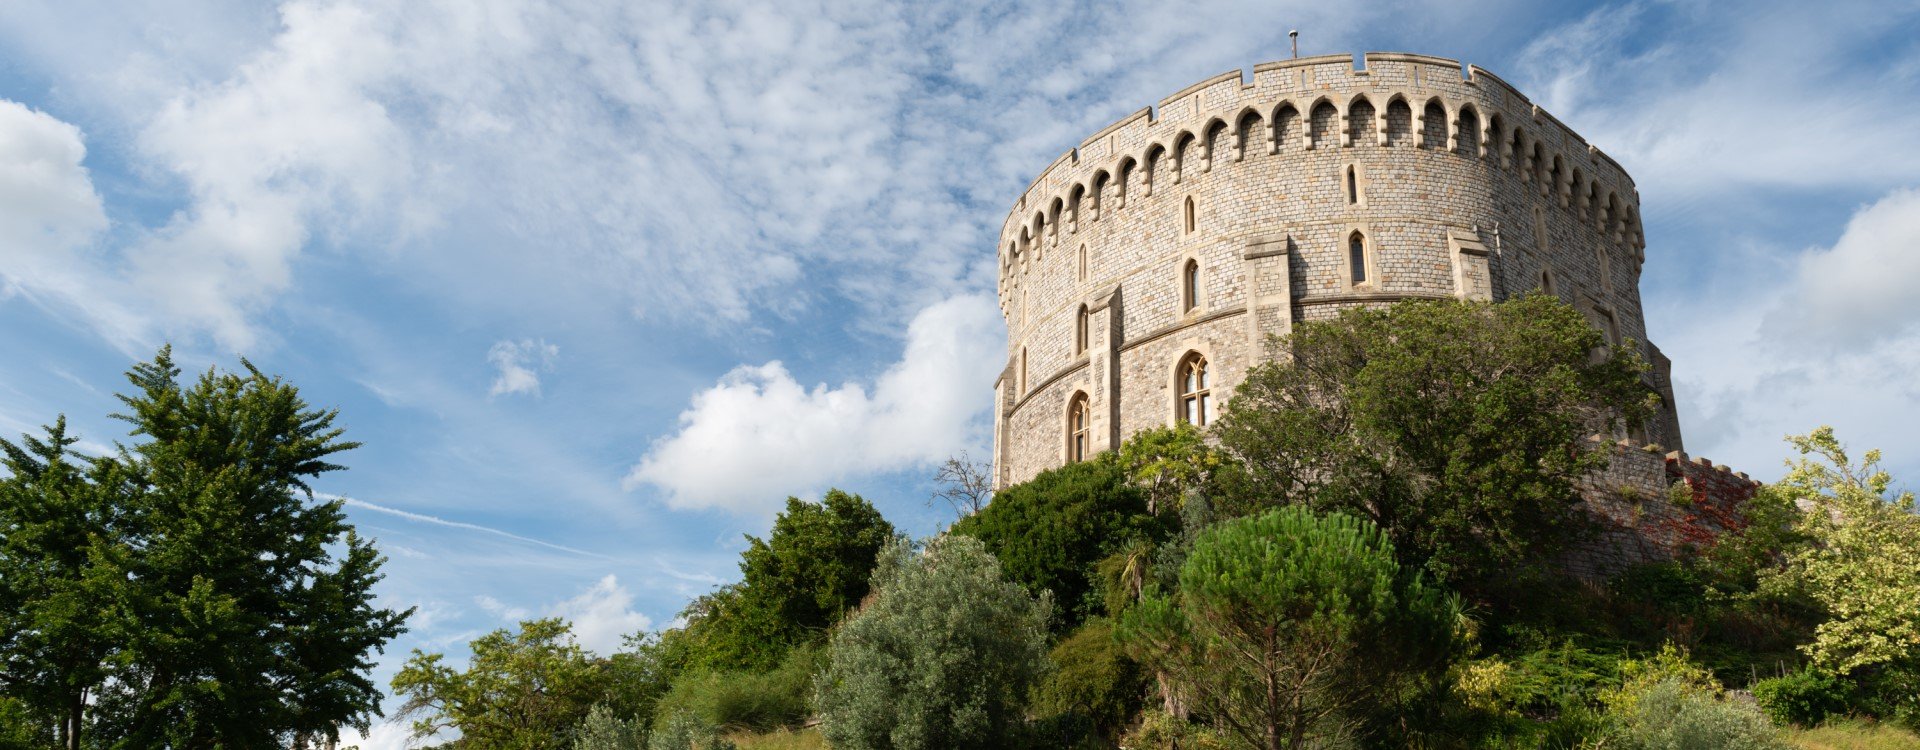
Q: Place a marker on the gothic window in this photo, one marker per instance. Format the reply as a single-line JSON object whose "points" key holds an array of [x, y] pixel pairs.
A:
{"points": [[1196, 402], [1190, 287], [1188, 215], [1546, 281], [1357, 258], [1606, 269], [1023, 371], [1083, 262], [1353, 185], [1078, 432], [1080, 331]]}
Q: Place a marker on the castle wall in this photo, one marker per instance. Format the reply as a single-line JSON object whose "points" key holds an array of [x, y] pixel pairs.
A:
{"points": [[1459, 185]]}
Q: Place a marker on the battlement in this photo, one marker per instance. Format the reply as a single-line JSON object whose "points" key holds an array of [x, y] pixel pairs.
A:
{"points": [[1310, 103]]}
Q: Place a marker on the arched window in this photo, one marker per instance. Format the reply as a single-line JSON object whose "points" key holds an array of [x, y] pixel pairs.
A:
{"points": [[1023, 371], [1196, 402], [1079, 432], [1606, 269], [1083, 262], [1188, 215], [1546, 281], [1080, 331], [1357, 258], [1353, 186], [1190, 287]]}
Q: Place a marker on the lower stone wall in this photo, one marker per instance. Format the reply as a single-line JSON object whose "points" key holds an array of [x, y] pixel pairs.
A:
{"points": [[1644, 518]]}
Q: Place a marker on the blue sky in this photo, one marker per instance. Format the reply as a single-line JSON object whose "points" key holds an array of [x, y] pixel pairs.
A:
{"points": [[600, 283]]}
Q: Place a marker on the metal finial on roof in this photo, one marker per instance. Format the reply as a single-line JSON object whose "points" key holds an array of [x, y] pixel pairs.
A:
{"points": [[1294, 35]]}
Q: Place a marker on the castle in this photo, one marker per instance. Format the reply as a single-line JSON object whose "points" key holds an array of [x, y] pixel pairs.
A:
{"points": [[1142, 273]]}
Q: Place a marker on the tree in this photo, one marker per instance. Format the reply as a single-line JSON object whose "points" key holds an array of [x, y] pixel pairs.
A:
{"points": [[941, 657], [1288, 625], [1861, 559], [1459, 428], [1048, 533], [802, 578], [963, 484], [1166, 463], [520, 691], [604, 729], [59, 566], [249, 607]]}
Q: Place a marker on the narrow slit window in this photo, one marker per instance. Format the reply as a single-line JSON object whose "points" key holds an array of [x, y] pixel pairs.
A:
{"points": [[1188, 218], [1353, 186], [1190, 287], [1357, 258], [1083, 262], [1080, 331]]}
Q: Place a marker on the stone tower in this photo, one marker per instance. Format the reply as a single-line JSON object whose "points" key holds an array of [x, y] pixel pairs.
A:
{"points": [[1143, 270]]}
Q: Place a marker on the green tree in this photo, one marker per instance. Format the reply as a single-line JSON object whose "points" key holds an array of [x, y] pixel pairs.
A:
{"points": [[1049, 532], [1166, 463], [1459, 428], [941, 657], [605, 729], [59, 578], [520, 691], [1861, 559], [1095, 688], [249, 607], [802, 578], [1288, 627]]}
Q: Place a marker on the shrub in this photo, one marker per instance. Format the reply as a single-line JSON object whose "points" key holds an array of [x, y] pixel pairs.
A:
{"points": [[747, 700], [1805, 698], [1160, 729], [685, 731], [605, 730], [1094, 687], [1668, 703], [942, 656]]}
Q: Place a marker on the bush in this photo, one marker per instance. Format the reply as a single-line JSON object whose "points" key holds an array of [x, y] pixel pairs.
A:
{"points": [[746, 700], [942, 656], [1669, 703], [1804, 698], [685, 731], [1094, 689], [605, 730], [1159, 729]]}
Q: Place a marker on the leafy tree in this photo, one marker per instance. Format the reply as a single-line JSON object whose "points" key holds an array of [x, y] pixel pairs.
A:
{"points": [[941, 657], [1166, 463], [1050, 532], [1459, 428], [520, 691], [1861, 562], [801, 579], [1287, 626], [1094, 688], [59, 575]]}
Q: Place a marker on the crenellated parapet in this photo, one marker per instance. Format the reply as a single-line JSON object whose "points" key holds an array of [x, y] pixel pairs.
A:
{"points": [[1316, 104]]}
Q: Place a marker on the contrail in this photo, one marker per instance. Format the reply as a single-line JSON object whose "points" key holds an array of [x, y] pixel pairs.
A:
{"points": [[424, 518]]}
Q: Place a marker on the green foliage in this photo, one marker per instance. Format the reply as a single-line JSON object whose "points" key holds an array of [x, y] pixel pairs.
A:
{"points": [[1861, 562], [1289, 627], [685, 731], [188, 586], [1160, 729], [741, 699], [603, 729], [800, 580], [1804, 698], [1094, 688], [1666, 702], [1166, 463], [525, 691], [1459, 428], [1048, 533], [942, 656], [1855, 734], [19, 729]]}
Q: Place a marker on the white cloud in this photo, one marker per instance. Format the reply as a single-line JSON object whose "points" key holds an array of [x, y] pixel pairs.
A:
{"points": [[494, 607], [758, 435], [383, 735], [1862, 288], [603, 616], [520, 363]]}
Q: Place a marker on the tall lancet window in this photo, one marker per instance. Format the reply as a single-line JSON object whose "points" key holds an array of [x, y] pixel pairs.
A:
{"points": [[1196, 401], [1080, 331], [1190, 287], [1357, 258], [1079, 422]]}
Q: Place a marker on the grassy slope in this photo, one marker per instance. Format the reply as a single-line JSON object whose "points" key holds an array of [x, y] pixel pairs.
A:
{"points": [[1853, 735]]}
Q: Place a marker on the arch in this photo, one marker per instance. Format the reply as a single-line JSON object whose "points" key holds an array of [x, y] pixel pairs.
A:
{"points": [[1181, 143], [1433, 125], [1081, 328], [1098, 191], [1193, 403], [1612, 226], [1553, 186], [1323, 120], [1245, 126], [1079, 428], [1546, 281], [1125, 172], [1357, 264], [1399, 121], [1210, 142], [1286, 125], [1186, 216], [1537, 165], [1496, 143], [1362, 126], [1150, 164], [1053, 216], [1468, 133], [1517, 152], [1190, 286]]}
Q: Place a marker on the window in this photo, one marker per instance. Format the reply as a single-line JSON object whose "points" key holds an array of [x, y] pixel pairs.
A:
{"points": [[1357, 258], [1023, 371], [1080, 331], [1078, 432], [1083, 262], [1609, 326], [1546, 281], [1190, 287], [1196, 405], [1189, 215], [1606, 269], [1353, 186]]}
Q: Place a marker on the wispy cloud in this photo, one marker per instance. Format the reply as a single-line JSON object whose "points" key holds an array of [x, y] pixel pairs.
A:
{"points": [[437, 521], [519, 364]]}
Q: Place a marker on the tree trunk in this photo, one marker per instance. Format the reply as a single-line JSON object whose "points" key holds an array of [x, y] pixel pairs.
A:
{"points": [[76, 709]]}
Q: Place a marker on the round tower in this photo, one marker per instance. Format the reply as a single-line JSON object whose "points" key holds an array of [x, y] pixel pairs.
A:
{"points": [[1143, 271]]}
